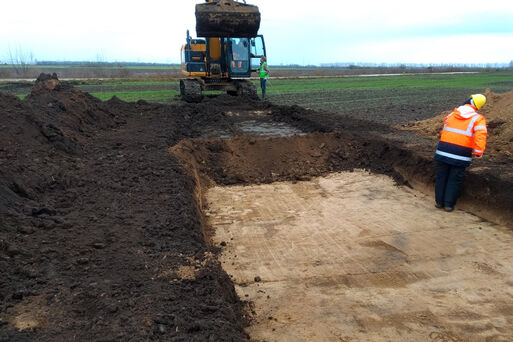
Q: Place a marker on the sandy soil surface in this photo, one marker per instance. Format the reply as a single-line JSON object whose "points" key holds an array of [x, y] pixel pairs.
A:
{"points": [[353, 257], [102, 236]]}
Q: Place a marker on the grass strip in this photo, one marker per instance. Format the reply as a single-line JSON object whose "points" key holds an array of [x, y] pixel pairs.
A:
{"points": [[133, 96]]}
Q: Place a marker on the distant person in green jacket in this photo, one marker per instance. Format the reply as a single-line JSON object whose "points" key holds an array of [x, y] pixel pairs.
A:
{"points": [[263, 72]]}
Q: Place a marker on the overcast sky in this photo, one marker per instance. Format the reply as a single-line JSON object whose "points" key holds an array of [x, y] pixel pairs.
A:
{"points": [[296, 32]]}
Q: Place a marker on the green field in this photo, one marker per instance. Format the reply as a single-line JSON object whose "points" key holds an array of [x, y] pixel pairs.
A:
{"points": [[50, 68], [496, 80], [414, 93], [417, 96], [296, 88]]}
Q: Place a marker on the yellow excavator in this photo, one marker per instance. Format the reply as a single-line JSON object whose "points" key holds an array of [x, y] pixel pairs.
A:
{"points": [[228, 50]]}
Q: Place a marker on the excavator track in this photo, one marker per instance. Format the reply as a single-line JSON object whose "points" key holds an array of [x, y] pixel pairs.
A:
{"points": [[246, 89], [227, 18], [190, 91]]}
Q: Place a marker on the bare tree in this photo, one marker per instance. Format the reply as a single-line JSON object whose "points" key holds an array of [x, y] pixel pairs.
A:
{"points": [[20, 60]]}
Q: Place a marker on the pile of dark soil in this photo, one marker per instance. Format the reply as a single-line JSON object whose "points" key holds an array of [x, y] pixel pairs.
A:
{"points": [[101, 232], [100, 235]]}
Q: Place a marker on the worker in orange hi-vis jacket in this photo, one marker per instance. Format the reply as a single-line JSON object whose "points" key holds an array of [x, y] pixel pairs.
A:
{"points": [[463, 137]]}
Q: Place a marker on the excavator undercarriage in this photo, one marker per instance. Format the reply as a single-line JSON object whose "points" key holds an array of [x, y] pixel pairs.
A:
{"points": [[191, 89]]}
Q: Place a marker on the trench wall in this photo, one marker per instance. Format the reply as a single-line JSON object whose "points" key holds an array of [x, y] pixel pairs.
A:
{"points": [[265, 160]]}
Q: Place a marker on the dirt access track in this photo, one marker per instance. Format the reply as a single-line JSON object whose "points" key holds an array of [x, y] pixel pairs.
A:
{"points": [[234, 220]]}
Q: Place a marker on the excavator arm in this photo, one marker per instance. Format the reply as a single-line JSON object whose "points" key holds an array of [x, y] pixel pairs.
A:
{"points": [[227, 18]]}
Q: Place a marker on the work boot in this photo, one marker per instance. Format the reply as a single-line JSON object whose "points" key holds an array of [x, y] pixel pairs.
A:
{"points": [[438, 206], [449, 209]]}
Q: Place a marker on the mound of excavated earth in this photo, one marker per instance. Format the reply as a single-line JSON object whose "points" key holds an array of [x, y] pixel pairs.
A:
{"points": [[103, 231]]}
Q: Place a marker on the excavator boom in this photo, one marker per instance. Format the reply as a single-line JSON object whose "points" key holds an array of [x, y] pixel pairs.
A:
{"points": [[227, 18]]}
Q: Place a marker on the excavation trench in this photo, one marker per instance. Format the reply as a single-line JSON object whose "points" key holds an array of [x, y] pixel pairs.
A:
{"points": [[330, 237]]}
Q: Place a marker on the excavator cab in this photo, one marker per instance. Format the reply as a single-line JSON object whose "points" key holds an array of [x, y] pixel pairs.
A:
{"points": [[244, 55], [228, 51]]}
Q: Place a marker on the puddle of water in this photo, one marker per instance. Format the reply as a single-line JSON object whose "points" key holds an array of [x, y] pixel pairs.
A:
{"points": [[353, 257], [256, 128], [268, 129]]}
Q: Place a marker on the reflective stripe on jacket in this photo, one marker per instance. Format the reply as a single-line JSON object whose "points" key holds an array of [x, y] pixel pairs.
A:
{"points": [[464, 134], [262, 70]]}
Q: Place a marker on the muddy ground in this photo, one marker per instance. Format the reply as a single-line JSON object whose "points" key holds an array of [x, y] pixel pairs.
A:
{"points": [[101, 231]]}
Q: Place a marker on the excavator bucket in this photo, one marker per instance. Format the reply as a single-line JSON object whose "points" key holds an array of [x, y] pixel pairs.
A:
{"points": [[227, 18]]}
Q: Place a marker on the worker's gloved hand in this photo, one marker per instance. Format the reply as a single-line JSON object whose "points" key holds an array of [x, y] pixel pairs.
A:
{"points": [[478, 156]]}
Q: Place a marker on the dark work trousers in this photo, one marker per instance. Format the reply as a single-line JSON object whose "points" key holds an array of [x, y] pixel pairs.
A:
{"points": [[262, 85], [448, 183]]}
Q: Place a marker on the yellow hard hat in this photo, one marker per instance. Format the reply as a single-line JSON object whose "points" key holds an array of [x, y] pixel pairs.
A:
{"points": [[479, 100]]}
